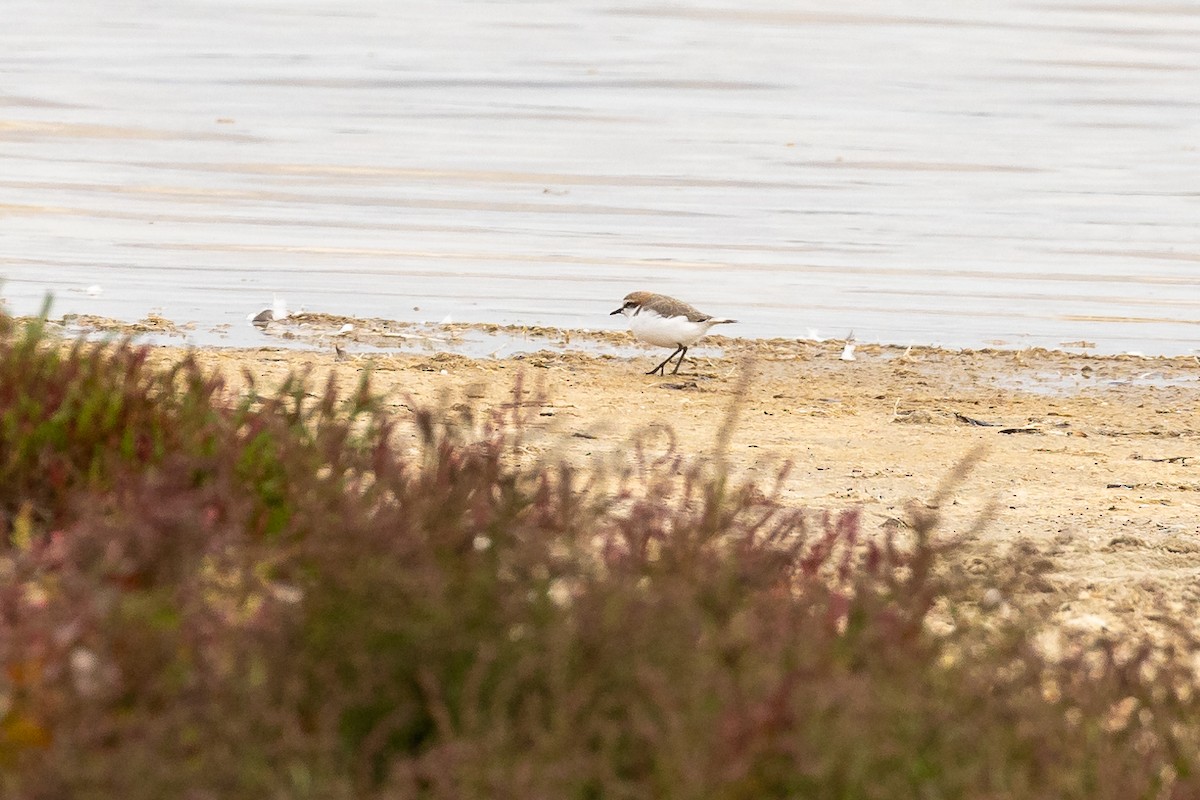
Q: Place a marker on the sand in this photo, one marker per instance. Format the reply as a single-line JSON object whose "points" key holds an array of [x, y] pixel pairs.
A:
{"points": [[1090, 464]]}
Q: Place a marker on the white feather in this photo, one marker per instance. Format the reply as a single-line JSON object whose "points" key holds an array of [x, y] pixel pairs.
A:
{"points": [[652, 328]]}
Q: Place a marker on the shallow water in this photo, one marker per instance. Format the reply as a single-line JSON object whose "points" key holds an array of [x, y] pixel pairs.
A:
{"points": [[963, 174]]}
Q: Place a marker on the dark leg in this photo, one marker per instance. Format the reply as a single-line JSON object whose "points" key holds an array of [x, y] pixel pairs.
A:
{"points": [[660, 367], [679, 363]]}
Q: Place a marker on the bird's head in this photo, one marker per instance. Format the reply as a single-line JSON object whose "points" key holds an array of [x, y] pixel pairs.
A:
{"points": [[633, 302]]}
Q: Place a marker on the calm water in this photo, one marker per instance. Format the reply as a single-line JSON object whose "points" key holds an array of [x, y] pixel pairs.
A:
{"points": [[957, 173]]}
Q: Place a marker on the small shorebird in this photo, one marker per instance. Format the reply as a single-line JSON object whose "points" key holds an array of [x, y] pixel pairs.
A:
{"points": [[666, 322]]}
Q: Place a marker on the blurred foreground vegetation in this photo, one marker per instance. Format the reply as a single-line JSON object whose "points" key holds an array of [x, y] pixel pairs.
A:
{"points": [[209, 595]]}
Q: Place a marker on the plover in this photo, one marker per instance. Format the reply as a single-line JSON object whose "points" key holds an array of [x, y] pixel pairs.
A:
{"points": [[666, 322]]}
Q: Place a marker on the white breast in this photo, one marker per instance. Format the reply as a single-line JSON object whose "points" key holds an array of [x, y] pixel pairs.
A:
{"points": [[648, 326]]}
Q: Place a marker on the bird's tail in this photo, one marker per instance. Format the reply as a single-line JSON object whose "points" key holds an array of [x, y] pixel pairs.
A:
{"points": [[721, 321]]}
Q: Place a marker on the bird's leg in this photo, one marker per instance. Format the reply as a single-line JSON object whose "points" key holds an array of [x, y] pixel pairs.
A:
{"points": [[679, 363], [660, 367]]}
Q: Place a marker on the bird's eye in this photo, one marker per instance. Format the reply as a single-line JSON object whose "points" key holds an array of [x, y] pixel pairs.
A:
{"points": [[630, 304]]}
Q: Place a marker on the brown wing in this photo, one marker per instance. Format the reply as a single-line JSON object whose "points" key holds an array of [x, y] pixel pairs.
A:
{"points": [[668, 306]]}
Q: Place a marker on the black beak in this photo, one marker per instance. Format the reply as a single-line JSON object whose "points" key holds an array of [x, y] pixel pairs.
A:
{"points": [[618, 311]]}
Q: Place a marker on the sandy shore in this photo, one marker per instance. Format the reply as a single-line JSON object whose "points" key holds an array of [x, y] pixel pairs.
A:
{"points": [[1091, 463]]}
